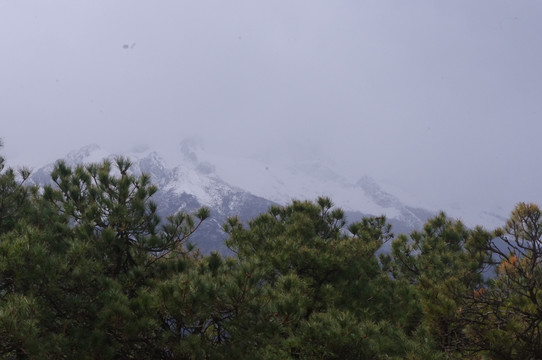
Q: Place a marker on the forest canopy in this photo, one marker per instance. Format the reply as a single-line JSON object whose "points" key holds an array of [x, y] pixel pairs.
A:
{"points": [[89, 270]]}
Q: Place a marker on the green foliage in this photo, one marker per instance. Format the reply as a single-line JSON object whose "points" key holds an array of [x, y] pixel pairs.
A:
{"points": [[79, 262], [506, 320], [88, 270], [439, 266], [324, 288]]}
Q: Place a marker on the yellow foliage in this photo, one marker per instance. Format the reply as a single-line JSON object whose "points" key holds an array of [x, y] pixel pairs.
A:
{"points": [[523, 210], [508, 266], [478, 293]]}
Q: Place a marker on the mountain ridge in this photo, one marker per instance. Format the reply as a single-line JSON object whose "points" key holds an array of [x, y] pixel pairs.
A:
{"points": [[191, 182]]}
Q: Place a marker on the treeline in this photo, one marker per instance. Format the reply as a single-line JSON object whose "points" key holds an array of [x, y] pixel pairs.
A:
{"points": [[89, 271]]}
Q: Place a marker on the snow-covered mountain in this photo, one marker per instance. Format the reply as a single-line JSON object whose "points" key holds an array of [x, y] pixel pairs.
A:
{"points": [[186, 186], [246, 187]]}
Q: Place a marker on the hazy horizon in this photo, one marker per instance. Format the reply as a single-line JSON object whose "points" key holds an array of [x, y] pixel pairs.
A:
{"points": [[438, 99]]}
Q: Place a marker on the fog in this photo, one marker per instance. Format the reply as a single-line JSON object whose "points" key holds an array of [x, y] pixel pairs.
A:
{"points": [[441, 100]]}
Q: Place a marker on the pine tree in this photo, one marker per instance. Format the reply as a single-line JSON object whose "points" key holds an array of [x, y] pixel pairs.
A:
{"points": [[79, 266], [88, 270], [506, 318], [324, 293], [438, 267]]}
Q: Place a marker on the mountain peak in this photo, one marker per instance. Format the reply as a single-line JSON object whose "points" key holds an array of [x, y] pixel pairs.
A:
{"points": [[229, 185], [94, 153]]}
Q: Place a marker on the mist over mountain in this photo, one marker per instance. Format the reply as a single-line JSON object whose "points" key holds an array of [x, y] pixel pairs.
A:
{"points": [[246, 187], [186, 186]]}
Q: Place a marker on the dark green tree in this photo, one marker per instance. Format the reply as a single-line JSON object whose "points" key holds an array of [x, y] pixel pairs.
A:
{"points": [[439, 266], [88, 270], [14, 196], [506, 315], [324, 293], [78, 271]]}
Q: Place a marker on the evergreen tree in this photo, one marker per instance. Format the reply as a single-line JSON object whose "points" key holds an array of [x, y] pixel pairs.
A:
{"points": [[438, 267], [78, 271], [324, 293], [505, 322], [14, 196], [88, 270]]}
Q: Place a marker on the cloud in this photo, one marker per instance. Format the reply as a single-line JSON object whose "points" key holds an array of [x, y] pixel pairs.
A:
{"points": [[441, 99]]}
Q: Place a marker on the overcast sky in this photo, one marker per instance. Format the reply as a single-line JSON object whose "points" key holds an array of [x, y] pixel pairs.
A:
{"points": [[440, 98]]}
